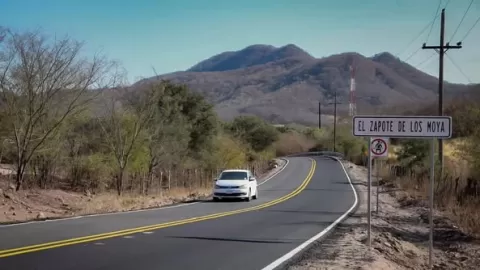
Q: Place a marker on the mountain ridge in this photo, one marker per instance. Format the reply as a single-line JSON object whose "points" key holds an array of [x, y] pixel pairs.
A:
{"points": [[252, 55], [286, 83]]}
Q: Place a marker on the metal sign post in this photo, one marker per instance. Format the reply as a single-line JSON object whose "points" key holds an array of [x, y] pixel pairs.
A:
{"points": [[377, 168], [379, 150], [434, 127], [369, 192], [378, 147], [432, 184]]}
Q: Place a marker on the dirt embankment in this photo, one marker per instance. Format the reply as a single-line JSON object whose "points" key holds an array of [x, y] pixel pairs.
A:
{"points": [[40, 204], [399, 236]]}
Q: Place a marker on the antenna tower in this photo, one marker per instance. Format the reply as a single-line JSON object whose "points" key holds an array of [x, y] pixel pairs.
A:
{"points": [[352, 105]]}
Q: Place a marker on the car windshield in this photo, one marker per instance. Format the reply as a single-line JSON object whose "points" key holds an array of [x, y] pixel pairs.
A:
{"points": [[233, 176]]}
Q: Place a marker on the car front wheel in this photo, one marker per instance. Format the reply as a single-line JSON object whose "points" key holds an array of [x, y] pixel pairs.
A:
{"points": [[249, 198]]}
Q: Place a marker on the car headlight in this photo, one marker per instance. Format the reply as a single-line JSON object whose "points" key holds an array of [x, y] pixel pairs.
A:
{"points": [[217, 186], [242, 186]]}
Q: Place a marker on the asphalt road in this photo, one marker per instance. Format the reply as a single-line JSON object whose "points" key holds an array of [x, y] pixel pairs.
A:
{"points": [[294, 206]]}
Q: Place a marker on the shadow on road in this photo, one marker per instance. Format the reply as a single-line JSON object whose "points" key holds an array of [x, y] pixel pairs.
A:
{"points": [[335, 213], [260, 241], [353, 183], [308, 212], [232, 200], [305, 222], [309, 189]]}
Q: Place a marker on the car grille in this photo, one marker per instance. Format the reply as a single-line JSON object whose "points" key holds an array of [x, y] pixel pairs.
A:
{"points": [[230, 194], [226, 187]]}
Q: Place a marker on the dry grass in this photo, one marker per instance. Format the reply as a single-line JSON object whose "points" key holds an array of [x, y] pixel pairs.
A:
{"points": [[447, 192], [37, 204], [290, 143], [111, 202], [466, 216]]}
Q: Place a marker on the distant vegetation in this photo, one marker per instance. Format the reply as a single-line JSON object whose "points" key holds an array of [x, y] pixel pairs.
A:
{"points": [[458, 191], [157, 137], [262, 80], [63, 128]]}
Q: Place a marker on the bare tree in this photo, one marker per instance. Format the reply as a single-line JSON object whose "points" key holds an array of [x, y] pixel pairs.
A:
{"points": [[42, 82], [167, 145], [124, 124]]}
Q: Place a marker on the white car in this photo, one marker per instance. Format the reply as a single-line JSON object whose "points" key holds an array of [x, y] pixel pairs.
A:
{"points": [[240, 184]]}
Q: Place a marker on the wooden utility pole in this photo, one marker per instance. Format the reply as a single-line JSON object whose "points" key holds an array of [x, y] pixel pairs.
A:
{"points": [[334, 121], [441, 49], [319, 115]]}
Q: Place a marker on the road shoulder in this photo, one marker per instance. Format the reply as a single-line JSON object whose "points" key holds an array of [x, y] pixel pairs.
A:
{"points": [[399, 236], [39, 205]]}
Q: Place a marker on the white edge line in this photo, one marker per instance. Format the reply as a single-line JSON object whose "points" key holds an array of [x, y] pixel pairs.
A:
{"points": [[96, 215], [130, 212], [275, 174], [301, 247]]}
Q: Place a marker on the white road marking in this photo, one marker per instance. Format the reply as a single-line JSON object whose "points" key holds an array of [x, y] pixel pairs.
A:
{"points": [[128, 212], [99, 244], [275, 174], [301, 247], [128, 236], [147, 232], [96, 215]]}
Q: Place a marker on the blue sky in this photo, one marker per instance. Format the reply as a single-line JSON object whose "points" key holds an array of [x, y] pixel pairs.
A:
{"points": [[173, 35]]}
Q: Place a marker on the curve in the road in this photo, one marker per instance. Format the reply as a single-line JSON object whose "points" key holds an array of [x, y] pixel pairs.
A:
{"points": [[307, 243], [96, 237]]}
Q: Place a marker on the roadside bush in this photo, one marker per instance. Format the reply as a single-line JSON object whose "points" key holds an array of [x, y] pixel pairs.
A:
{"points": [[316, 133], [254, 131], [293, 142], [229, 153], [466, 118], [472, 150], [353, 148], [413, 152]]}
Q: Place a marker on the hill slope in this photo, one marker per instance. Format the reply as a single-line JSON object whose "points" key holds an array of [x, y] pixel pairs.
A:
{"points": [[285, 84]]}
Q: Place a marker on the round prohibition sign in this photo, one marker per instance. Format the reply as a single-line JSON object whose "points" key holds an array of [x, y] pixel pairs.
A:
{"points": [[378, 147]]}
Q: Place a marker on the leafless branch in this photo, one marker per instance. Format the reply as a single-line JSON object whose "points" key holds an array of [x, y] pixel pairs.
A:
{"points": [[126, 119], [42, 83]]}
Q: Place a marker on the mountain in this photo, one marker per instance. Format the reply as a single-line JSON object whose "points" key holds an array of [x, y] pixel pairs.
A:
{"points": [[285, 84], [250, 56]]}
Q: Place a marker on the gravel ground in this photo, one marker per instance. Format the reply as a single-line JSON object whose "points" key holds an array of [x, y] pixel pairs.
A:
{"points": [[399, 236]]}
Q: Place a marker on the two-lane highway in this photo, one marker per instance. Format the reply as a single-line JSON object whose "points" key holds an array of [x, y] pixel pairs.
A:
{"points": [[307, 197]]}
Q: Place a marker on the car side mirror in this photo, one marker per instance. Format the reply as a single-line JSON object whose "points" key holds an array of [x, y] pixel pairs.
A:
{"points": [[251, 178], [215, 179]]}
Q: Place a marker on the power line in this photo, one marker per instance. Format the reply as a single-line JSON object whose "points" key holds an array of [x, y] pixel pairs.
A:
{"points": [[411, 55], [458, 68], [425, 60], [433, 22], [419, 34], [470, 30], [448, 2], [463, 17]]}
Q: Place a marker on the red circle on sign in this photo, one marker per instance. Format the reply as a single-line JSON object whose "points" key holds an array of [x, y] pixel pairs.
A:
{"points": [[384, 147]]}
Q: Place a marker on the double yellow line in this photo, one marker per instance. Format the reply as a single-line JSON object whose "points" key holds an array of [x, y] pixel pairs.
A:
{"points": [[96, 237]]}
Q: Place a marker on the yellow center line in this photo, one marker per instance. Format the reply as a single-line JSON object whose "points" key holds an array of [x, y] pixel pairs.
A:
{"points": [[96, 237]]}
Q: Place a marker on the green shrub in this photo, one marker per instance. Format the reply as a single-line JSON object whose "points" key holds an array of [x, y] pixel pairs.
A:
{"points": [[253, 131], [413, 152]]}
